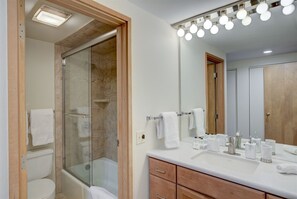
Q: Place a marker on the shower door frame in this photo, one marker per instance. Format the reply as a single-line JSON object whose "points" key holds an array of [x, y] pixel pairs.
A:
{"points": [[16, 91]]}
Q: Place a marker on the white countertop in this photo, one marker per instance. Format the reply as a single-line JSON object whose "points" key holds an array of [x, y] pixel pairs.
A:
{"points": [[265, 178]]}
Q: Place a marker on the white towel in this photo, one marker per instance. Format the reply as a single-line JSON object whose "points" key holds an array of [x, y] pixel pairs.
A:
{"points": [[198, 122], [287, 168], [167, 127], [290, 149], [42, 126], [83, 124], [101, 193]]}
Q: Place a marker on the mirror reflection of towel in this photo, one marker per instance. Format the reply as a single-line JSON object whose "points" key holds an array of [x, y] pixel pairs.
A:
{"points": [[83, 127]]}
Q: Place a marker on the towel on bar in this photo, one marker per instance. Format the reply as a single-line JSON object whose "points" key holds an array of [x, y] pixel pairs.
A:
{"points": [[83, 125], [42, 126], [290, 149], [287, 168], [167, 127], [100, 193], [196, 121]]}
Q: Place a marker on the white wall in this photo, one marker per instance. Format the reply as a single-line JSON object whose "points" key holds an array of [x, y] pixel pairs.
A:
{"points": [[232, 102], [3, 102], [243, 85], [39, 74], [154, 81], [192, 63]]}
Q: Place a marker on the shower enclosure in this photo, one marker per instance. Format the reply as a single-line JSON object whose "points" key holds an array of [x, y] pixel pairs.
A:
{"points": [[90, 112]]}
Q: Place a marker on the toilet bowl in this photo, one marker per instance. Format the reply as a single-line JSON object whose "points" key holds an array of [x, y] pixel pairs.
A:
{"points": [[41, 189]]}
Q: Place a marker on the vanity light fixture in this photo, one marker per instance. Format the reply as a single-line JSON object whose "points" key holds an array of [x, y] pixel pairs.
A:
{"points": [[51, 16], [207, 23], [188, 36], [200, 33], [286, 2], [287, 10], [229, 25], [193, 28], [246, 21], [224, 18], [180, 32], [262, 7], [267, 51], [242, 13], [214, 29], [265, 16]]}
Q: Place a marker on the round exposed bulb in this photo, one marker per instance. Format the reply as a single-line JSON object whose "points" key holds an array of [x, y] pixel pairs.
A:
{"points": [[214, 29], [286, 2], [241, 14], [287, 10], [180, 32], [223, 19], [207, 24], [265, 16], [188, 36], [246, 21], [193, 28], [229, 25], [200, 33], [262, 7]]}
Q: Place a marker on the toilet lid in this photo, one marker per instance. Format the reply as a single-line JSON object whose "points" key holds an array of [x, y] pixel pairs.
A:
{"points": [[40, 189]]}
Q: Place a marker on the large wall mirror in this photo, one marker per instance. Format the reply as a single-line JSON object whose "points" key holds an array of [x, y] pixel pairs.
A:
{"points": [[260, 87]]}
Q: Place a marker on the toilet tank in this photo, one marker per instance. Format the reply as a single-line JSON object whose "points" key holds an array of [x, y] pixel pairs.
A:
{"points": [[39, 164]]}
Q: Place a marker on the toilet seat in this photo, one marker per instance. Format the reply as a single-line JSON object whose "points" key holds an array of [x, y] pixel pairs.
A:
{"points": [[41, 189]]}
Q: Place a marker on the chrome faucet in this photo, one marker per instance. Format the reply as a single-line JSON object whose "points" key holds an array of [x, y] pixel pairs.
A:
{"points": [[231, 144]]}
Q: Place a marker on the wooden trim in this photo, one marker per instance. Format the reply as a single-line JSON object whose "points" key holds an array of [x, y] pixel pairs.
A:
{"points": [[221, 62], [16, 99], [16, 86]]}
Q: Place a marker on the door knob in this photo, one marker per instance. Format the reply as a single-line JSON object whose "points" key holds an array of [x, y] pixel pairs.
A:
{"points": [[268, 114]]}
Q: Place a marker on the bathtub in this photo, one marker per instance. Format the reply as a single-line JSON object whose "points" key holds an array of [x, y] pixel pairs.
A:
{"points": [[105, 174]]}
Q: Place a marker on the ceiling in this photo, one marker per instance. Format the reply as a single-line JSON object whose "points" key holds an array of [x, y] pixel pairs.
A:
{"points": [[277, 34], [46, 33]]}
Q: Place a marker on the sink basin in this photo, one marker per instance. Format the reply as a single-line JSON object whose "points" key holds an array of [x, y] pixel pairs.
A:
{"points": [[226, 162]]}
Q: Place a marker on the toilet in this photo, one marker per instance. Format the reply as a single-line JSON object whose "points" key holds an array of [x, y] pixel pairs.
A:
{"points": [[39, 166]]}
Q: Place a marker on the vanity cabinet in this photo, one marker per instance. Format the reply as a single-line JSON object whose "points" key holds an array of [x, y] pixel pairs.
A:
{"points": [[168, 181]]}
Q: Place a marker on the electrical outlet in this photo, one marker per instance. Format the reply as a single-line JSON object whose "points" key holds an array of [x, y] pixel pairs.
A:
{"points": [[140, 137]]}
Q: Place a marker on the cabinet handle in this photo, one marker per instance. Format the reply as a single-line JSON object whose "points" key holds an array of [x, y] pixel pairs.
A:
{"points": [[159, 197], [160, 171]]}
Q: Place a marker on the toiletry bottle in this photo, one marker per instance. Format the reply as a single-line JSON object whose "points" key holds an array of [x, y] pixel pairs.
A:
{"points": [[196, 143], [250, 150], [238, 140]]}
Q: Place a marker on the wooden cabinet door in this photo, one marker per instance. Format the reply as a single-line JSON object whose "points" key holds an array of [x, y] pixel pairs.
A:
{"points": [[184, 193]]}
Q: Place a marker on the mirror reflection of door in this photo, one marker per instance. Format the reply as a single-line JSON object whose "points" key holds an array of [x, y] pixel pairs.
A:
{"points": [[280, 103], [215, 108]]}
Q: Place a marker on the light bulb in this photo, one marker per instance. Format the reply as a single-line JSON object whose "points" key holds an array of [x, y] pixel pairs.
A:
{"points": [[229, 25], [214, 29], [188, 36], [286, 2], [241, 14], [200, 33], [246, 21], [180, 32], [193, 28], [262, 7], [223, 19], [287, 10], [207, 24], [265, 16]]}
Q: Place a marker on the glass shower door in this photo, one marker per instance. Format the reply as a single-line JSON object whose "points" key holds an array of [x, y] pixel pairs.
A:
{"points": [[77, 115]]}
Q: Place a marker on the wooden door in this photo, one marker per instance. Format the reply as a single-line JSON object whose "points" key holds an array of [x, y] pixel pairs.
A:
{"points": [[184, 193], [211, 99], [280, 104], [220, 99]]}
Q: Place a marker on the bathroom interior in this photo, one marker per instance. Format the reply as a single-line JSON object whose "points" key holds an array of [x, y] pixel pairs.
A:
{"points": [[247, 102]]}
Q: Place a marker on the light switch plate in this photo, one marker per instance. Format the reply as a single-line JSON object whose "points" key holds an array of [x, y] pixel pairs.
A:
{"points": [[140, 137]]}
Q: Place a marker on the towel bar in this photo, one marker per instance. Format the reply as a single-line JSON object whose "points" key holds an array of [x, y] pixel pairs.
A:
{"points": [[160, 117]]}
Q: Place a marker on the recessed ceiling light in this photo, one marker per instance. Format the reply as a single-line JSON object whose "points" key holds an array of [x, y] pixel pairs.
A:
{"points": [[267, 51], [50, 16]]}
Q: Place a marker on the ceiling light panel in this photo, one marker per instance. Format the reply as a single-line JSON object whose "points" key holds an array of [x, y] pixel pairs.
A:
{"points": [[50, 16]]}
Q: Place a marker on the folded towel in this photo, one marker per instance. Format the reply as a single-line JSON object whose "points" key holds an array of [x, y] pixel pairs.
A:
{"points": [[167, 127], [42, 126], [287, 168], [101, 193], [290, 149], [198, 116]]}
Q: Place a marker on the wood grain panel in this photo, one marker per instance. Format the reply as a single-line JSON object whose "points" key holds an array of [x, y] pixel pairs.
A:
{"points": [[184, 193], [161, 189], [268, 196], [220, 98], [211, 93], [163, 169], [215, 187]]}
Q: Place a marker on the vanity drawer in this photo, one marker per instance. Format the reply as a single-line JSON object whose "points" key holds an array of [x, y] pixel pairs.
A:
{"points": [[161, 189], [163, 169], [215, 187], [184, 193], [268, 196]]}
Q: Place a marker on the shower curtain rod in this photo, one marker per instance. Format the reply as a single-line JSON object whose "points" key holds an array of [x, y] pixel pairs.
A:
{"points": [[93, 42]]}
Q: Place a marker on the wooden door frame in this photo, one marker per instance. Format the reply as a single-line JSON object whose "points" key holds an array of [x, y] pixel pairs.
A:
{"points": [[16, 91], [217, 60]]}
